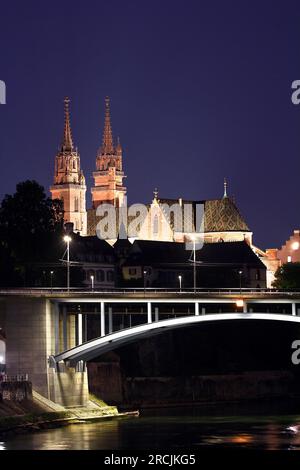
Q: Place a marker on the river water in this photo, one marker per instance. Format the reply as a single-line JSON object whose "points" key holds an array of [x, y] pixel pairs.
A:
{"points": [[261, 426]]}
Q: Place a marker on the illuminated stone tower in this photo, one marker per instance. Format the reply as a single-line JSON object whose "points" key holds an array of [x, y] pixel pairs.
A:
{"points": [[108, 177], [69, 182]]}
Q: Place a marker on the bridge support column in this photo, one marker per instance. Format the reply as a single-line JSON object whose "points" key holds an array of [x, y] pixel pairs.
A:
{"points": [[196, 308], [156, 314], [110, 320], [203, 311], [294, 312], [65, 329], [79, 328], [245, 307], [102, 319], [56, 326], [149, 312], [68, 386]]}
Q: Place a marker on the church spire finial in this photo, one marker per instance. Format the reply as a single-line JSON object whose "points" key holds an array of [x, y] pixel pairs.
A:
{"points": [[225, 188], [67, 144], [107, 142]]}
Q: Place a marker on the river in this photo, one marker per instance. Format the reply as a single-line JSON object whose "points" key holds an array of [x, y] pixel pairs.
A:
{"points": [[264, 426]]}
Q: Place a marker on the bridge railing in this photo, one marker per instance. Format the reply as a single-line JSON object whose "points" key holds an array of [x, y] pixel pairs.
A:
{"points": [[14, 378], [146, 290]]}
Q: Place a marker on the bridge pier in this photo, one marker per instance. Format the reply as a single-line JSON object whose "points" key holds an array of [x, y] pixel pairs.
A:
{"points": [[35, 330]]}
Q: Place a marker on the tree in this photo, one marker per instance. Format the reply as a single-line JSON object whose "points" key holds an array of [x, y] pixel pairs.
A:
{"points": [[287, 276], [30, 224]]}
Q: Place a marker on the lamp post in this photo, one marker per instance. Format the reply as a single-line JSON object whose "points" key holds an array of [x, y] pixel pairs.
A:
{"points": [[240, 274], [92, 281], [194, 262], [180, 281], [51, 280], [144, 273], [68, 239]]}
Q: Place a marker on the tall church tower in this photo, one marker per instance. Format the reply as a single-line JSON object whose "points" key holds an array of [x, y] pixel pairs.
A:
{"points": [[108, 177], [69, 182]]}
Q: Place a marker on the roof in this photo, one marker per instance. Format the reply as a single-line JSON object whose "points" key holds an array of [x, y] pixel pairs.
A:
{"points": [[91, 249], [151, 253], [220, 215]]}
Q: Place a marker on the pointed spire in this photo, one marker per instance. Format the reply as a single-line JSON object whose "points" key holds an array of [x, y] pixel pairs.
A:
{"points": [[119, 147], [155, 193], [225, 189], [107, 142], [67, 144]]}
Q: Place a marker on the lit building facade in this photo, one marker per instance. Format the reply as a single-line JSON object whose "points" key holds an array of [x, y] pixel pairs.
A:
{"points": [[69, 182]]}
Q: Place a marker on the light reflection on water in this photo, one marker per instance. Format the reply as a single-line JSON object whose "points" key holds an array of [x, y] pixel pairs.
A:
{"points": [[166, 429]]}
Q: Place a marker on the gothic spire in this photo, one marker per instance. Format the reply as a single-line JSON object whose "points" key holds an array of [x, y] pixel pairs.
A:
{"points": [[225, 189], [107, 142], [67, 144]]}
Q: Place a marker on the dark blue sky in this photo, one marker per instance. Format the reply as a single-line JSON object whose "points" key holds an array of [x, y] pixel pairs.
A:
{"points": [[199, 90]]}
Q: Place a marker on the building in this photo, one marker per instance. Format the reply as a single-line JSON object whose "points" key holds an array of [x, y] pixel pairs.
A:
{"points": [[69, 182], [221, 220], [109, 175], [169, 265]]}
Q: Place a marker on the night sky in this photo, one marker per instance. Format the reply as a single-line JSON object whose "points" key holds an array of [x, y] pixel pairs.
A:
{"points": [[199, 90]]}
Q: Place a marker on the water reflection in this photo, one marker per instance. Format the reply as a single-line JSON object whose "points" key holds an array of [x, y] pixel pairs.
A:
{"points": [[170, 428]]}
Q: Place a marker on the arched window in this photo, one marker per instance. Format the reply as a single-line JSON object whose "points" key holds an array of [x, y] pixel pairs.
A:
{"points": [[76, 205], [100, 275], [74, 164], [110, 275]]}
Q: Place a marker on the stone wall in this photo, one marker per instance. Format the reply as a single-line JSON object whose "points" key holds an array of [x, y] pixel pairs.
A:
{"points": [[211, 388]]}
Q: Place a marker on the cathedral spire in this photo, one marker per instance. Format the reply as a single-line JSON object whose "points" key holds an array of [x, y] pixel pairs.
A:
{"points": [[67, 144], [225, 189], [107, 142]]}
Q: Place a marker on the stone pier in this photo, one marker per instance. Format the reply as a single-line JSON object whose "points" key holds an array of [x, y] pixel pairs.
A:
{"points": [[35, 329]]}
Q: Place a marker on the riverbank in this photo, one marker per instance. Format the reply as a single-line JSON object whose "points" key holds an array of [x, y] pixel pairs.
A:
{"points": [[34, 415]]}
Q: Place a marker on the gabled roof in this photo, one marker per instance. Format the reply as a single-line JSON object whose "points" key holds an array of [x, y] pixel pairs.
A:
{"points": [[150, 253]]}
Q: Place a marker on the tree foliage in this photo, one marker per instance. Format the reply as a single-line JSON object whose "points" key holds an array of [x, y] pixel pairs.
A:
{"points": [[287, 276], [30, 224]]}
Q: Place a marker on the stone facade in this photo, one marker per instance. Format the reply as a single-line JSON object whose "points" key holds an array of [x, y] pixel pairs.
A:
{"points": [[69, 182]]}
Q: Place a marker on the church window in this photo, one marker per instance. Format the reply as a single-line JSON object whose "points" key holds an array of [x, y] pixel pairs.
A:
{"points": [[74, 164], [76, 204], [289, 259], [155, 225]]}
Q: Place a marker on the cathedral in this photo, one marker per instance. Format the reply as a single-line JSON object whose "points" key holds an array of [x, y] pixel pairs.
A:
{"points": [[222, 221]]}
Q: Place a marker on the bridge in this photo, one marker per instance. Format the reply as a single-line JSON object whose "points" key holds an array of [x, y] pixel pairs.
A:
{"points": [[47, 334]]}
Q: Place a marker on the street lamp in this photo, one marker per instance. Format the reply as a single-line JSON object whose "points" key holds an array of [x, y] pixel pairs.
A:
{"points": [[180, 281], [194, 261], [144, 273], [240, 274], [51, 280], [68, 239], [92, 281]]}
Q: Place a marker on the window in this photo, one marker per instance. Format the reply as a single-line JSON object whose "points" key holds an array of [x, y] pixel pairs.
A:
{"points": [[76, 205], [132, 271], [110, 276], [289, 259], [100, 275], [155, 225]]}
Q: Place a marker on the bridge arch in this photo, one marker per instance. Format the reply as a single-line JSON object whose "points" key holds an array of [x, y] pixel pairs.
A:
{"points": [[94, 348]]}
